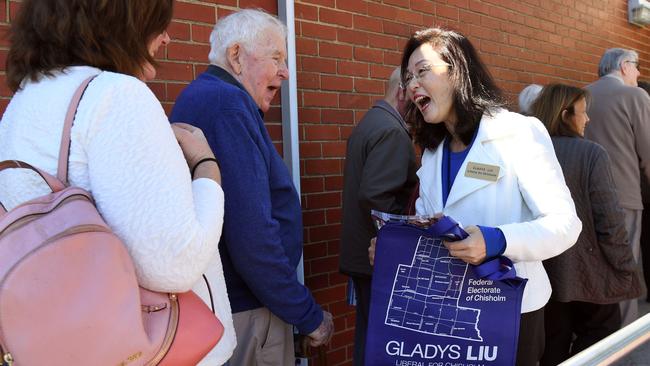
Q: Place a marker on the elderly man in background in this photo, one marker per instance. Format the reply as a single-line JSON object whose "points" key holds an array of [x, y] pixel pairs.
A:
{"points": [[379, 174], [645, 232], [620, 122], [261, 244], [527, 97]]}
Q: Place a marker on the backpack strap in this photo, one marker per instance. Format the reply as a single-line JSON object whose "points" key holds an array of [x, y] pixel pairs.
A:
{"points": [[62, 171], [54, 184], [64, 151]]}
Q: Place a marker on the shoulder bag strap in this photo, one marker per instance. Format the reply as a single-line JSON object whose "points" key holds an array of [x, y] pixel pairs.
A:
{"points": [[64, 152], [52, 182]]}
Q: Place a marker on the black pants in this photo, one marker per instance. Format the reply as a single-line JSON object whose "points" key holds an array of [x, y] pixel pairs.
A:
{"points": [[585, 321], [645, 247], [531, 338], [362, 289]]}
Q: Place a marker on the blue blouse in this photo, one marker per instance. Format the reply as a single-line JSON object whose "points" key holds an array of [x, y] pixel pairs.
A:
{"points": [[495, 241]]}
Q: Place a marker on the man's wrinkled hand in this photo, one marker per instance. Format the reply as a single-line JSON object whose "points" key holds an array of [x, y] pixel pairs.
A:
{"points": [[323, 333]]}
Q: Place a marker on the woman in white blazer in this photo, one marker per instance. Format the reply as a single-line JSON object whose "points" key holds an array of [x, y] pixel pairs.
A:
{"points": [[492, 170]]}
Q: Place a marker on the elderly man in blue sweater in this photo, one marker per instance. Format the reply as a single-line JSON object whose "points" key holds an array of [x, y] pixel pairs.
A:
{"points": [[261, 243]]}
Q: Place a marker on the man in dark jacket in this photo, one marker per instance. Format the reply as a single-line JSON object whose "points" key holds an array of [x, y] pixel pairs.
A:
{"points": [[379, 174]]}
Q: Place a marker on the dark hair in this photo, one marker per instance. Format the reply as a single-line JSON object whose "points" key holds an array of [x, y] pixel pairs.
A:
{"points": [[645, 86], [111, 35], [552, 102], [475, 92]]}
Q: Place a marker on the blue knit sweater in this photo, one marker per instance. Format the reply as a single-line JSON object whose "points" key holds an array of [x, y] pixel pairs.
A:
{"points": [[261, 243]]}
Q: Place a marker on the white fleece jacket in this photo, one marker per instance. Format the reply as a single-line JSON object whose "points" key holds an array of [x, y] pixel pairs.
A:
{"points": [[124, 152]]}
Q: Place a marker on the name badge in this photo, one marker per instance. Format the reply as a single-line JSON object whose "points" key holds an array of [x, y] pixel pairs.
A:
{"points": [[482, 171]]}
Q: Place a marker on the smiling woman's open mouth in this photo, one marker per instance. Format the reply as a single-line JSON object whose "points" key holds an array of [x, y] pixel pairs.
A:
{"points": [[422, 102]]}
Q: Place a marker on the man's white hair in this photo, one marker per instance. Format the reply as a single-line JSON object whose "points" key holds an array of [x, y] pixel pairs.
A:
{"points": [[244, 27], [527, 97]]}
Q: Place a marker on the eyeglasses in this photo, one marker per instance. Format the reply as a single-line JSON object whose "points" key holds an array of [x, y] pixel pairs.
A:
{"points": [[636, 64], [421, 72]]}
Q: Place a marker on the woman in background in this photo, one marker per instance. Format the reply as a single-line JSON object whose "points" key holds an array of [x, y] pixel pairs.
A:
{"points": [[589, 279], [122, 147]]}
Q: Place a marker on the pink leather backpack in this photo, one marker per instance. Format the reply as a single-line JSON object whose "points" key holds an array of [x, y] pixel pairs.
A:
{"points": [[68, 290]]}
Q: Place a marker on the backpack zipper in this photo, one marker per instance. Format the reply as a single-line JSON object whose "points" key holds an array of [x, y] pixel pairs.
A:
{"points": [[18, 223], [171, 331], [70, 231], [7, 358]]}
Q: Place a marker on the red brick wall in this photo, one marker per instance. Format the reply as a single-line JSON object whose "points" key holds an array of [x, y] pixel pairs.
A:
{"points": [[346, 49]]}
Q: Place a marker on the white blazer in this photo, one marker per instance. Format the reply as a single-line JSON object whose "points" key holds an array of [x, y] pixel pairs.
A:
{"points": [[529, 201]]}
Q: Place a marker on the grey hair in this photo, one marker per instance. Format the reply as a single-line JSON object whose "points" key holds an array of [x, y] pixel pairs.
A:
{"points": [[527, 97], [613, 58], [244, 27]]}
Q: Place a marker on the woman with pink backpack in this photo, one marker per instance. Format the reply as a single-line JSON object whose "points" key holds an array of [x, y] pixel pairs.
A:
{"points": [[157, 188]]}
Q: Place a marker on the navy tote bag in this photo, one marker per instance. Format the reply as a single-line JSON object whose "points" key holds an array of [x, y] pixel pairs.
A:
{"points": [[430, 309]]}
